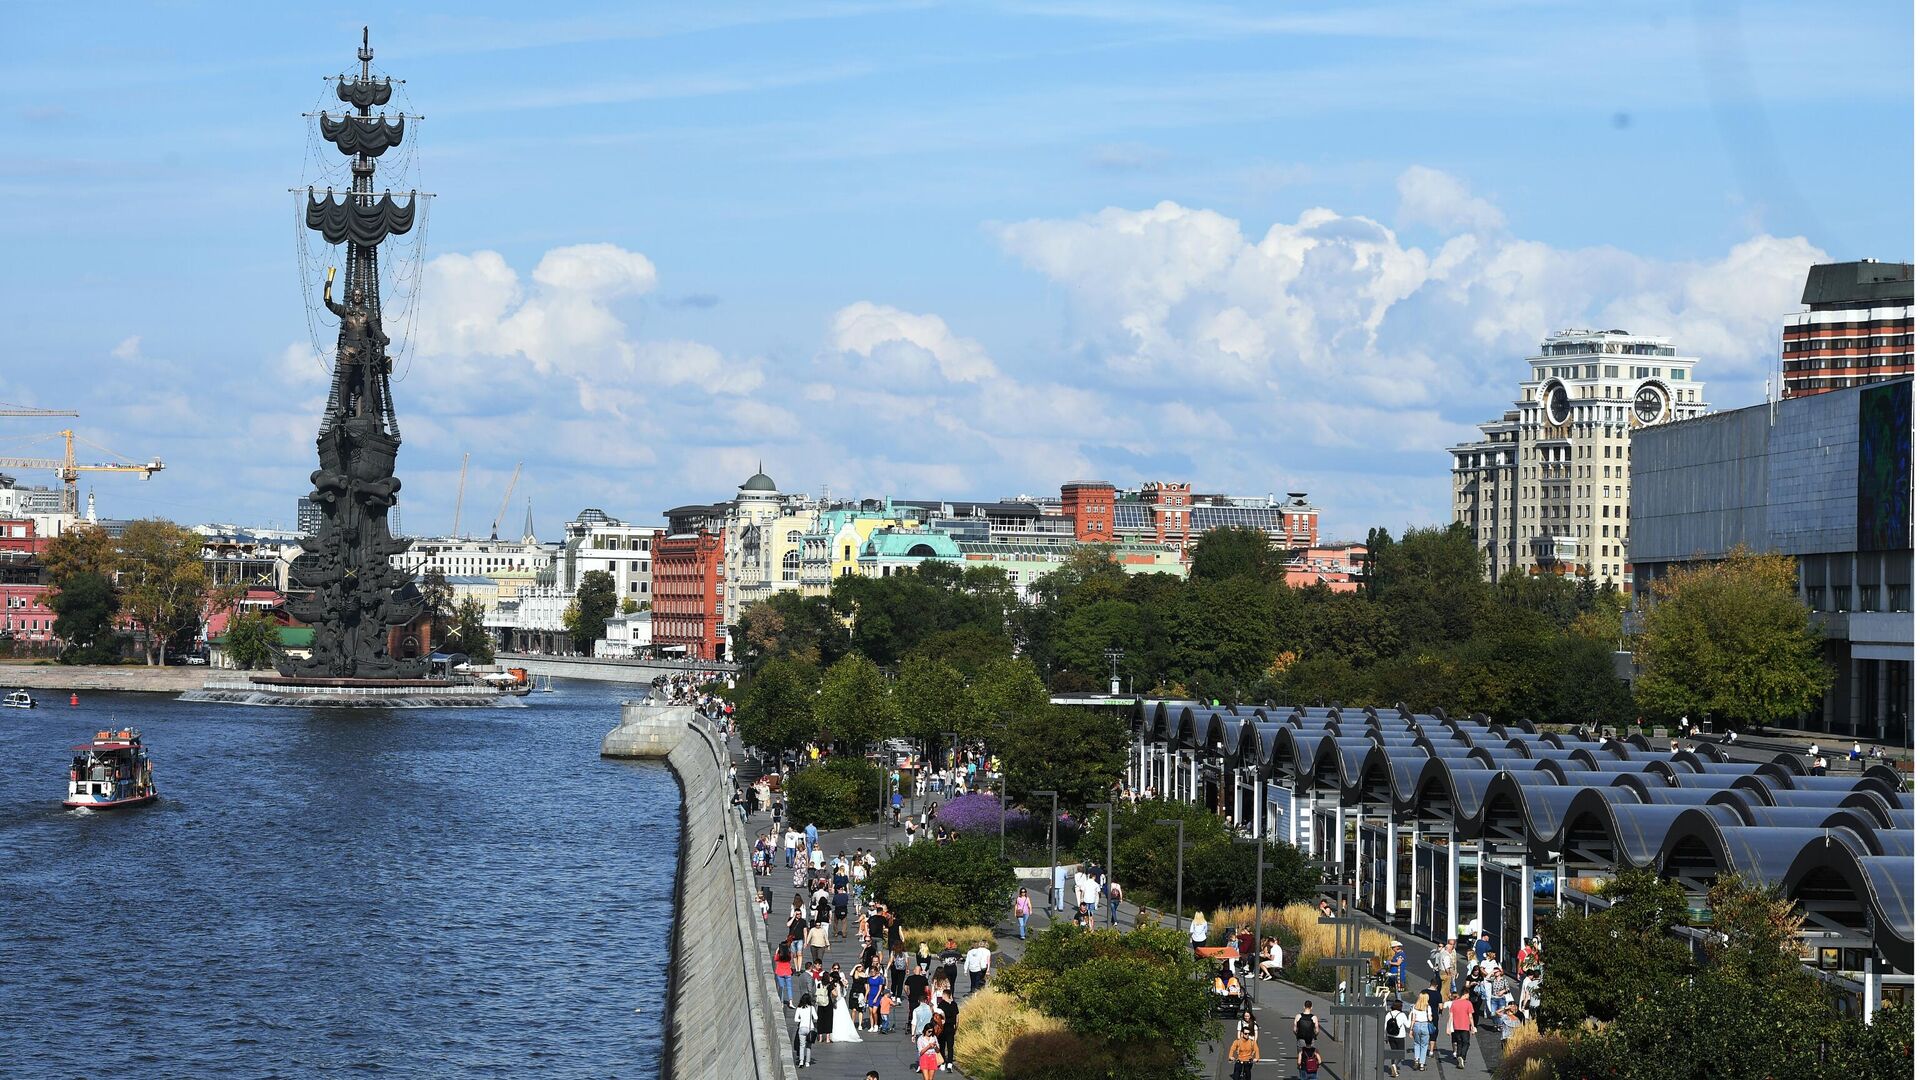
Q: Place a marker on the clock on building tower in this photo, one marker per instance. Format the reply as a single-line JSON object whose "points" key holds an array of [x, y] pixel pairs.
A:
{"points": [[1649, 403]]}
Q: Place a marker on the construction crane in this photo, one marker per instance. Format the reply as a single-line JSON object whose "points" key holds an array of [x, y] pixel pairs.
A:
{"points": [[460, 496], [70, 470], [21, 410], [511, 480]]}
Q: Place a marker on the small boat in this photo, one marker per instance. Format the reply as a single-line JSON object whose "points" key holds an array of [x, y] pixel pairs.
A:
{"points": [[547, 686], [19, 699], [110, 772]]}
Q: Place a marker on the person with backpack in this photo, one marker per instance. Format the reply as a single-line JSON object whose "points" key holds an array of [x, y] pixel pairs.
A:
{"points": [[1396, 1026], [1309, 1062], [1445, 963], [1306, 1026]]}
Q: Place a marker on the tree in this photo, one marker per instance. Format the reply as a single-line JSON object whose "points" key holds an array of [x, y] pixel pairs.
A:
{"points": [[1432, 583], [438, 597], [1079, 752], [1001, 696], [1234, 551], [594, 602], [855, 704], [251, 638], [1729, 639], [1602, 963], [85, 606], [469, 630], [629, 606], [834, 794], [776, 706], [1220, 637], [930, 698], [963, 882], [82, 549], [1141, 994], [163, 581]]}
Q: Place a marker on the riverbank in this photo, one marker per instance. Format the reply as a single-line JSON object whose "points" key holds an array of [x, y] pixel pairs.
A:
{"points": [[63, 679], [723, 1020]]}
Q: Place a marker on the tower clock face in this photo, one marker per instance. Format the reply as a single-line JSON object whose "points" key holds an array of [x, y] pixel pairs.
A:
{"points": [[1650, 403], [1558, 410]]}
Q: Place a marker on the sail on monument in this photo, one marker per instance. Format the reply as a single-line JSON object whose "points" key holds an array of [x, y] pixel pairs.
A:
{"points": [[356, 593]]}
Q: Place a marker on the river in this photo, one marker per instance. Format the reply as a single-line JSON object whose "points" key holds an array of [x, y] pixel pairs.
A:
{"points": [[424, 892]]}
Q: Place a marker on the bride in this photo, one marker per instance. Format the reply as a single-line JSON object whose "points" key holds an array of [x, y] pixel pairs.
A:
{"points": [[843, 1029]]}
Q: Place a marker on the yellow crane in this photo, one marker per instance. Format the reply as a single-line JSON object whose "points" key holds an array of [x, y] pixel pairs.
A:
{"points": [[511, 480], [70, 470]]}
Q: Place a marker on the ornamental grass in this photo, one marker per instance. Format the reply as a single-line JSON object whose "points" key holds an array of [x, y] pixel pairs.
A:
{"points": [[1533, 1054], [935, 937], [990, 1021]]}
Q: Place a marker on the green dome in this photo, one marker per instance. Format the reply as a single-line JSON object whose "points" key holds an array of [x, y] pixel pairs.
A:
{"points": [[759, 481]]}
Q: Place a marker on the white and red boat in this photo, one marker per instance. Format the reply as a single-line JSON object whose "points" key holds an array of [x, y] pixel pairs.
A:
{"points": [[110, 772]]}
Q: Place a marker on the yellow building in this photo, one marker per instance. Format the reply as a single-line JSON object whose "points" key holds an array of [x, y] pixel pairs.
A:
{"points": [[831, 549]]}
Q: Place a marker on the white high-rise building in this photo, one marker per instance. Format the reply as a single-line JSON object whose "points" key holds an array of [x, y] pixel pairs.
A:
{"points": [[1545, 487]]}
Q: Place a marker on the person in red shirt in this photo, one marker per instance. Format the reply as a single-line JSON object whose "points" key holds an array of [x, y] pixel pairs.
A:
{"points": [[1460, 1014]]}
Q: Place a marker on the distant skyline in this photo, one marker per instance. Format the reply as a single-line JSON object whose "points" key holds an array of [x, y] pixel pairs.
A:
{"points": [[922, 249]]}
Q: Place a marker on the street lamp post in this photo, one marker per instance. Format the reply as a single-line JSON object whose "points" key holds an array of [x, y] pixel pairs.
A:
{"points": [[1106, 808], [1259, 903], [1114, 656], [1179, 864], [1001, 779], [1053, 846]]}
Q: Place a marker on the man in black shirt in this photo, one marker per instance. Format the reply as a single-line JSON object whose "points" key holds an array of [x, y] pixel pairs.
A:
{"points": [[949, 1009], [950, 962], [916, 992]]}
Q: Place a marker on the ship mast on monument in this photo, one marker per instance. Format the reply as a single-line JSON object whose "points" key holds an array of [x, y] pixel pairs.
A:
{"points": [[355, 592]]}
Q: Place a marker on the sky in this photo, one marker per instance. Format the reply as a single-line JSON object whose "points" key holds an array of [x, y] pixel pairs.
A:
{"points": [[919, 249]]}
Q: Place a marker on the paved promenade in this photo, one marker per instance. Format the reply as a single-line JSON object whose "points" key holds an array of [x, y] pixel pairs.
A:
{"points": [[891, 1055]]}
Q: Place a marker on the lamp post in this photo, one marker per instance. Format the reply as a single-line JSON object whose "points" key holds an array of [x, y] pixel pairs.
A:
{"points": [[1259, 903], [1001, 780], [1053, 846], [1114, 656], [1106, 808], [1179, 864]]}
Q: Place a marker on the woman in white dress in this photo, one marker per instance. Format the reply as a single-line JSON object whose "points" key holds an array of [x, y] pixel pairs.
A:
{"points": [[843, 1029]]}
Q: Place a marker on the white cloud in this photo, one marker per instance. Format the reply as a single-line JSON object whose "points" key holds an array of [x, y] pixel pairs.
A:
{"points": [[128, 349], [875, 331], [1431, 197]]}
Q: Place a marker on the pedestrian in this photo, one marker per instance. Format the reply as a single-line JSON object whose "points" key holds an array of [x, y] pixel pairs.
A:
{"points": [[1243, 1053], [1306, 1026], [979, 962], [1309, 1062], [929, 1046], [950, 958], [817, 940], [783, 970], [1397, 968], [803, 1031], [1444, 962], [947, 1026], [1396, 1025], [1114, 896], [1197, 931], [1483, 948], [791, 841], [1022, 911], [1422, 1030], [1460, 1017]]}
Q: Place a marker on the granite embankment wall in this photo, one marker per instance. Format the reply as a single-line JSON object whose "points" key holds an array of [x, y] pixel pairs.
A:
{"points": [[584, 667], [724, 1020], [61, 679]]}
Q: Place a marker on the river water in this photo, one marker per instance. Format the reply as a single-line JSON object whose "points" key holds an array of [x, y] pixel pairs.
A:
{"points": [[423, 892]]}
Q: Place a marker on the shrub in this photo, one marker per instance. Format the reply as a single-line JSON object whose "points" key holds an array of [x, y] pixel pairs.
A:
{"points": [[1140, 994], [1315, 942], [834, 794], [936, 937], [991, 1021], [1062, 1055], [978, 814], [964, 881]]}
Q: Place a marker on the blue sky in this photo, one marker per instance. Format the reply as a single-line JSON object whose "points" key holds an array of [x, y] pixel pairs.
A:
{"points": [[925, 249]]}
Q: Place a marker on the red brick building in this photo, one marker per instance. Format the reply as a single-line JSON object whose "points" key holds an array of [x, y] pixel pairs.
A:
{"points": [[689, 584], [1858, 328], [1089, 505]]}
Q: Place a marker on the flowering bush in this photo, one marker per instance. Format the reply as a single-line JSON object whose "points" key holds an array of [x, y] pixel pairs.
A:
{"points": [[977, 814]]}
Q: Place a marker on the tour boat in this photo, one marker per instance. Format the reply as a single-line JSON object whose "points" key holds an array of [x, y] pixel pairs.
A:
{"points": [[110, 772], [19, 699]]}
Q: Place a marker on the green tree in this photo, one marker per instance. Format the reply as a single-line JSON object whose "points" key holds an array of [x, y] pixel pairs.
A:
{"points": [[930, 699], [594, 602], [437, 595], [963, 882], [1079, 752], [855, 705], [1221, 637], [1604, 962], [1003, 695], [776, 705], [469, 630], [1729, 639], [85, 606], [1141, 993], [82, 549], [1432, 584], [1235, 551], [837, 793], [252, 637], [163, 582]]}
